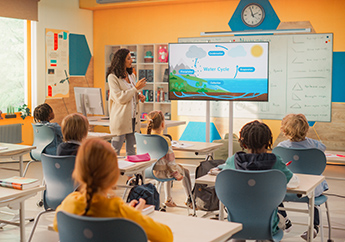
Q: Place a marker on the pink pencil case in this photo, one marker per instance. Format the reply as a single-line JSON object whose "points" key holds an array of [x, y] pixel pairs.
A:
{"points": [[138, 158]]}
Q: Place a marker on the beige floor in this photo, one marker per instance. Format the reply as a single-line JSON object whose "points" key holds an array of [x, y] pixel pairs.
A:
{"points": [[336, 203]]}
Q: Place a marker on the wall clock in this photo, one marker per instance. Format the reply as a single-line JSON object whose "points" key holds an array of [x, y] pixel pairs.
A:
{"points": [[253, 15]]}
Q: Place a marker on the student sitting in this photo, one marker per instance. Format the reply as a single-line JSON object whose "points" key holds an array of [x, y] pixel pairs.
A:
{"points": [[43, 114], [295, 127], [74, 129], [96, 170], [166, 167], [256, 137]]}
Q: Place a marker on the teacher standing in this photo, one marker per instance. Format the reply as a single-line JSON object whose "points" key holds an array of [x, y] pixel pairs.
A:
{"points": [[124, 99]]}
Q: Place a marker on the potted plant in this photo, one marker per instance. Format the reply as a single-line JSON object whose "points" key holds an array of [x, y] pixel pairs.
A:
{"points": [[25, 111]]}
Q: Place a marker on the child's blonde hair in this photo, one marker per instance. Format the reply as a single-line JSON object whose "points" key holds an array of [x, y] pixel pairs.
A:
{"points": [[74, 127], [96, 168], [295, 127], [155, 120]]}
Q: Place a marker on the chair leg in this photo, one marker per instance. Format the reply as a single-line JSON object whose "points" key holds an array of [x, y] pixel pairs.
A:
{"points": [[36, 222], [193, 204], [329, 223], [27, 167]]}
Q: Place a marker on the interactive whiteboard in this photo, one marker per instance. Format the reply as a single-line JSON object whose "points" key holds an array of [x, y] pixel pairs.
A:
{"points": [[231, 71], [300, 79]]}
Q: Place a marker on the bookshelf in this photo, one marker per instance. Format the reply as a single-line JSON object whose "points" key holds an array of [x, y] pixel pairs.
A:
{"points": [[150, 61]]}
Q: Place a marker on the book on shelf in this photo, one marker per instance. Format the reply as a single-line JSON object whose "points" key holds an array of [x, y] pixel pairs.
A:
{"points": [[20, 183]]}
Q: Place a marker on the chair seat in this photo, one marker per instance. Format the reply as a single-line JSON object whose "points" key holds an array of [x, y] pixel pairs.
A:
{"points": [[149, 174], [293, 198]]}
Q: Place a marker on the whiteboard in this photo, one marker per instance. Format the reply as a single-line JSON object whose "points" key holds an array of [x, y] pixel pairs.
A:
{"points": [[300, 79]]}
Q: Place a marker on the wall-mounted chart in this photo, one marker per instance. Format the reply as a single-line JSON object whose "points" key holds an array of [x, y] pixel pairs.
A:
{"points": [[300, 79]]}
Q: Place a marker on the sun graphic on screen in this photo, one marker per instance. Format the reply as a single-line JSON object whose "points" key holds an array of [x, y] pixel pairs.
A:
{"points": [[257, 50]]}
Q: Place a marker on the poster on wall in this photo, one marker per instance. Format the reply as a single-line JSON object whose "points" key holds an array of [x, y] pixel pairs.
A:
{"points": [[57, 63]]}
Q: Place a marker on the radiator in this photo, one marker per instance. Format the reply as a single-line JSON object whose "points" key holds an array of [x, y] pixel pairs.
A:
{"points": [[11, 133]]}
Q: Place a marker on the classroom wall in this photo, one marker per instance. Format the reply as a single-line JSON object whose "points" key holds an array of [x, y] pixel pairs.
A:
{"points": [[64, 15], [53, 14], [154, 23]]}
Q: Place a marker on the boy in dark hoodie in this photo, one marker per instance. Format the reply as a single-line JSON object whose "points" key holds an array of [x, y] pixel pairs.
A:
{"points": [[256, 137]]}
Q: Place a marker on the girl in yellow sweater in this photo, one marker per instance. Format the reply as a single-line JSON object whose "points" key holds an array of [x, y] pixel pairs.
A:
{"points": [[96, 170]]}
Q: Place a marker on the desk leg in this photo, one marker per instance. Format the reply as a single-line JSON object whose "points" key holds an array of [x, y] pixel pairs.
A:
{"points": [[21, 165], [311, 197], [22, 221], [221, 211]]}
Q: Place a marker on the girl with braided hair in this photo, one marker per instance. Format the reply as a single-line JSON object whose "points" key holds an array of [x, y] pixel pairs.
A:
{"points": [[43, 114], [166, 167], [96, 170], [256, 137]]}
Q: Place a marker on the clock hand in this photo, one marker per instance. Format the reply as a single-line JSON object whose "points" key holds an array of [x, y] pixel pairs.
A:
{"points": [[251, 11]]}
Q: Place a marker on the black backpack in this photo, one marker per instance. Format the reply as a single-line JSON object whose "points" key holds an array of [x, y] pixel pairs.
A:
{"points": [[146, 191], [205, 196]]}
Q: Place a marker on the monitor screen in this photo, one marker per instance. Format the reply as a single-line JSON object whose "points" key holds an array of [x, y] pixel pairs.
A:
{"points": [[232, 71], [89, 100]]}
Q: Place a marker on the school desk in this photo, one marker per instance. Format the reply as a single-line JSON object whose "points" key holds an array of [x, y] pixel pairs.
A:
{"points": [[308, 183], [130, 168], [15, 151], [105, 136], [10, 196], [335, 157], [188, 228], [196, 147]]}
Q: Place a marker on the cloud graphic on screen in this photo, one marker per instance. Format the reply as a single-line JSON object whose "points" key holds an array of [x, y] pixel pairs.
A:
{"points": [[195, 52], [237, 52]]}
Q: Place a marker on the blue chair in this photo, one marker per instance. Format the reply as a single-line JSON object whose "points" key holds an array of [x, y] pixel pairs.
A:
{"points": [[306, 161], [252, 198], [57, 173], [43, 136], [75, 228], [157, 147]]}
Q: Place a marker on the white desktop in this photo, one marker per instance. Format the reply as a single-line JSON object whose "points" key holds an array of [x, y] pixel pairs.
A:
{"points": [[89, 101]]}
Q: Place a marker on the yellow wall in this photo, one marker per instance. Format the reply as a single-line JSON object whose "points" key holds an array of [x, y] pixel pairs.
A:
{"points": [[167, 22]]}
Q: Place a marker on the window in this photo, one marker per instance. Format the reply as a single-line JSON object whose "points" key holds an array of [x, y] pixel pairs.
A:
{"points": [[13, 64]]}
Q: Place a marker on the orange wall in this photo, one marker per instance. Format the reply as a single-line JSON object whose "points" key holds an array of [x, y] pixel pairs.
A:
{"points": [[167, 22], [27, 133]]}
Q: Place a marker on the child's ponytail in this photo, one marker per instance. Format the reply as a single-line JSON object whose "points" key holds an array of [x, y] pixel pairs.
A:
{"points": [[155, 120], [149, 126]]}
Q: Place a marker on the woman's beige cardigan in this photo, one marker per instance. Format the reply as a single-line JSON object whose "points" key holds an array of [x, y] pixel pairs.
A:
{"points": [[120, 108]]}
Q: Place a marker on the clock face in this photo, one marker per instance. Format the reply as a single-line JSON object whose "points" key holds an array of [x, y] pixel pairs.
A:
{"points": [[253, 14]]}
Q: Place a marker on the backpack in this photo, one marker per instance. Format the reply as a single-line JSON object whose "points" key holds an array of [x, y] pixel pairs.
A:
{"points": [[205, 196], [146, 191]]}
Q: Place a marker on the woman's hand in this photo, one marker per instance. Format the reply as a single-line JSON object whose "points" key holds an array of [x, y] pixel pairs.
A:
{"points": [[140, 84], [141, 97]]}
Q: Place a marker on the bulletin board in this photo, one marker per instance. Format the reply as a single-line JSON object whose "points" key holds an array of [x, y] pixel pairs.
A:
{"points": [[300, 79], [57, 63]]}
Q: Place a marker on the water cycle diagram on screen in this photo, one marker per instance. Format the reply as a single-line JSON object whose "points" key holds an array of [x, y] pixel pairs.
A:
{"points": [[218, 71]]}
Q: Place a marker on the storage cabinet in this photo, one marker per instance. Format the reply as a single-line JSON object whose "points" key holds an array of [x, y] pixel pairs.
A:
{"points": [[150, 61]]}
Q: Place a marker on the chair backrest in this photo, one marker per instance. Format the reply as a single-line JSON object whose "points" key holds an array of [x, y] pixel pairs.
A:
{"points": [[251, 198], [307, 161], [57, 174], [43, 136], [75, 228], [155, 145]]}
